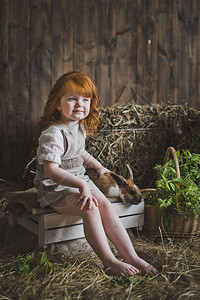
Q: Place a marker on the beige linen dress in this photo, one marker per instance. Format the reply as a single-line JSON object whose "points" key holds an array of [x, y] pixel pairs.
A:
{"points": [[65, 146]]}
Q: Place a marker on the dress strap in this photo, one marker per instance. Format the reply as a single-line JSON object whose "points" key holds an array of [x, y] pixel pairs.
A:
{"points": [[65, 141]]}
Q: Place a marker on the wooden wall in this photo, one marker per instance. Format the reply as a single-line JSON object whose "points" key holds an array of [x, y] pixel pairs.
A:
{"points": [[142, 50]]}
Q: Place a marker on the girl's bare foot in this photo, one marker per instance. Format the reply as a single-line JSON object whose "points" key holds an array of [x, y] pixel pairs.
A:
{"points": [[144, 267], [120, 268]]}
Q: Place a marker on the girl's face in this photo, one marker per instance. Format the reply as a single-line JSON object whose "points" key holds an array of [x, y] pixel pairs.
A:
{"points": [[73, 108]]}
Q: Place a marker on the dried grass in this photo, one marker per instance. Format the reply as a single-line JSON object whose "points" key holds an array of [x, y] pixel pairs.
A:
{"points": [[83, 278]]}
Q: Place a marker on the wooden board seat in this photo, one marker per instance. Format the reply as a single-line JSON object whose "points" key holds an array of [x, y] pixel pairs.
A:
{"points": [[54, 227]]}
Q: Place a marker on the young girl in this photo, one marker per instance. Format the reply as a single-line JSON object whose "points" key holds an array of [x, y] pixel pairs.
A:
{"points": [[70, 113]]}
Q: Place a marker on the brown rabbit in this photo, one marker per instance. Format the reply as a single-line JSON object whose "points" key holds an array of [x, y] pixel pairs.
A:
{"points": [[116, 186]]}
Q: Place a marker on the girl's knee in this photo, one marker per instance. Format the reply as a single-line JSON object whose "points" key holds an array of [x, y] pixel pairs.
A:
{"points": [[105, 207], [94, 210]]}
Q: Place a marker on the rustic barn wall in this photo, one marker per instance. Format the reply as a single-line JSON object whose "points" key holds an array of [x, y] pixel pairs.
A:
{"points": [[141, 50]]}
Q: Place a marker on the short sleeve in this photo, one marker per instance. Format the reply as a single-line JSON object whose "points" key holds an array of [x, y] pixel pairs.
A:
{"points": [[51, 145]]}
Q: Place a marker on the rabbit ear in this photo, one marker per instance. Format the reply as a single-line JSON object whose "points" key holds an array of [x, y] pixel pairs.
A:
{"points": [[121, 181], [130, 173]]}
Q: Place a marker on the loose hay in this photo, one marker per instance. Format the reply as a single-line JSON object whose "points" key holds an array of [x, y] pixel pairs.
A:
{"points": [[80, 278]]}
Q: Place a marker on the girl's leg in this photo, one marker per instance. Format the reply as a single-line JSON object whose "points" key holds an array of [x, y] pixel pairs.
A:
{"points": [[95, 234], [118, 235]]}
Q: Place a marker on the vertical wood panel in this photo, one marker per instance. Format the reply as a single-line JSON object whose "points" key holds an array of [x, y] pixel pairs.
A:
{"points": [[68, 36], [152, 52], [85, 46], [102, 66], [125, 89], [62, 37], [79, 36], [57, 38], [194, 59], [141, 55], [184, 50], [164, 50], [3, 83], [112, 20], [41, 56], [147, 51], [174, 57], [18, 100], [197, 101]]}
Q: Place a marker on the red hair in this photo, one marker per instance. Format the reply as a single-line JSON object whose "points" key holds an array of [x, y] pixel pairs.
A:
{"points": [[74, 82]]}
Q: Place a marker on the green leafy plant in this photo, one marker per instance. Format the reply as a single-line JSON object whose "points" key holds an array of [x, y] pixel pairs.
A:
{"points": [[127, 280], [178, 195], [28, 265], [45, 265], [22, 264]]}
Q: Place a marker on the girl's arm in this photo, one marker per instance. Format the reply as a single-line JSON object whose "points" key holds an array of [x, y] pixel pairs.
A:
{"points": [[93, 163], [60, 176]]}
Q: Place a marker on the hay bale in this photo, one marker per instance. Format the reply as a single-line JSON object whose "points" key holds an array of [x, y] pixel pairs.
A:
{"points": [[139, 135]]}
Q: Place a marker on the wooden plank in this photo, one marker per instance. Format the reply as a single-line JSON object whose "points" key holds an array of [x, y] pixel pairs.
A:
{"points": [[141, 56], [4, 8], [84, 38], [12, 220], [79, 38], [197, 102], [152, 52], [133, 221], [62, 37], [18, 86], [63, 234], [164, 38], [29, 224], [103, 54], [57, 39], [125, 69], [112, 21], [68, 35], [194, 51], [146, 51], [184, 50], [58, 220], [123, 210], [89, 42], [174, 51], [41, 56], [41, 239]]}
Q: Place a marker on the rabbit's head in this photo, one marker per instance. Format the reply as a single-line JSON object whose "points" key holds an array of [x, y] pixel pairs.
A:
{"points": [[129, 191]]}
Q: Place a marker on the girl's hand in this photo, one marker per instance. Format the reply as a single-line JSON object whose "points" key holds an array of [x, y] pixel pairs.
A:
{"points": [[86, 197], [102, 170]]}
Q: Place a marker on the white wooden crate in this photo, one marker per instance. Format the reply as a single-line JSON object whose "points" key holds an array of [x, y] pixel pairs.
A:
{"points": [[55, 227]]}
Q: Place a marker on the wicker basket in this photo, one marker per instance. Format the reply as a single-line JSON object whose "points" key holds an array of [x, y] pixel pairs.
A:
{"points": [[179, 226]]}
